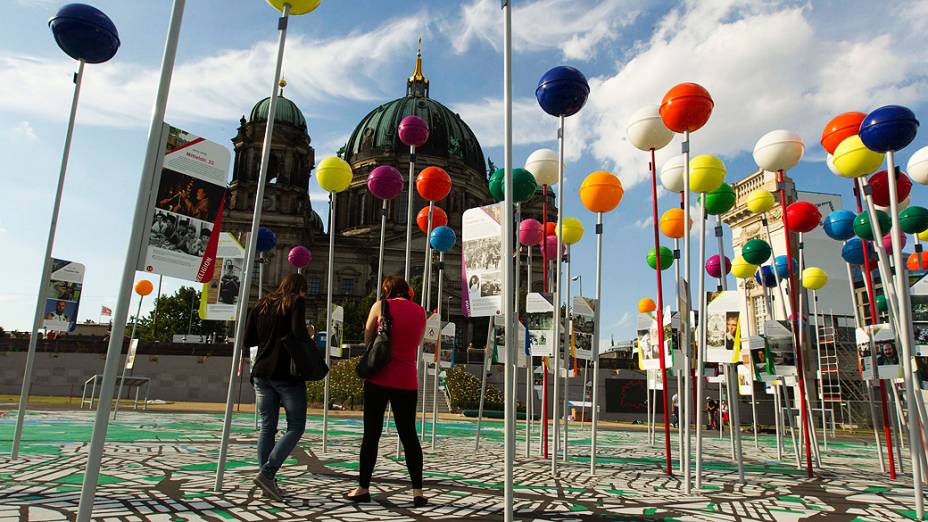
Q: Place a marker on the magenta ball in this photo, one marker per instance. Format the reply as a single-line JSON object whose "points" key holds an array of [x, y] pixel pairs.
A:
{"points": [[531, 232], [714, 266], [888, 241], [413, 131], [299, 256], [385, 182], [551, 247]]}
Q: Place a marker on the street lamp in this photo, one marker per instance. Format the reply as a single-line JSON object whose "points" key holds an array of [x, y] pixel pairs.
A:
{"points": [[580, 279]]}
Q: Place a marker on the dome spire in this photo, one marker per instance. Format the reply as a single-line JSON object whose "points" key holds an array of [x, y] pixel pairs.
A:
{"points": [[282, 83], [417, 84]]}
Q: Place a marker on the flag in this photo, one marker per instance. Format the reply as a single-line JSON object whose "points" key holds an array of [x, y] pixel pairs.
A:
{"points": [[106, 311]]}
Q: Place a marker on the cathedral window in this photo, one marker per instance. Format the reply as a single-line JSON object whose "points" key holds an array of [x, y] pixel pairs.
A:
{"points": [[346, 286], [314, 285], [400, 208]]}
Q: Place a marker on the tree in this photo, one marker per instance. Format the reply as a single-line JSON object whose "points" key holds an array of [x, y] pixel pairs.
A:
{"points": [[174, 314], [356, 311]]}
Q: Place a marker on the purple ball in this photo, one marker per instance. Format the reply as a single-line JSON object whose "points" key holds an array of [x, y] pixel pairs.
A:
{"points": [[299, 256], [551, 247], [888, 241], [714, 266], [413, 131], [531, 232], [385, 182]]}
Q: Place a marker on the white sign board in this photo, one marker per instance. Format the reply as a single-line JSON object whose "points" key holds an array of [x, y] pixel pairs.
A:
{"points": [[583, 327], [130, 357], [220, 294], [65, 284], [482, 261], [539, 314]]}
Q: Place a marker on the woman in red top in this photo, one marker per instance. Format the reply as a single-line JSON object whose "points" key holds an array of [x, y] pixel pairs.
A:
{"points": [[397, 384]]}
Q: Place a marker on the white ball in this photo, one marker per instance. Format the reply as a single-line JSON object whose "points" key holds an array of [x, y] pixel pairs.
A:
{"points": [[778, 150], [918, 166], [646, 129], [543, 165], [672, 174], [830, 162]]}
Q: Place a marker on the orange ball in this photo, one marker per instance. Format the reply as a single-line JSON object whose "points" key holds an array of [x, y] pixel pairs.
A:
{"points": [[841, 126], [433, 183], [551, 228], [439, 219], [672, 223], [915, 263], [686, 107], [143, 287], [647, 305], [601, 192]]}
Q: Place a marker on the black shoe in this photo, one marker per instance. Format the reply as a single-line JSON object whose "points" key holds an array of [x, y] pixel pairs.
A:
{"points": [[364, 497], [419, 501]]}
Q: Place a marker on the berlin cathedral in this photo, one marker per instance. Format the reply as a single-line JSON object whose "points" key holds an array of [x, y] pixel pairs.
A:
{"points": [[288, 210]]}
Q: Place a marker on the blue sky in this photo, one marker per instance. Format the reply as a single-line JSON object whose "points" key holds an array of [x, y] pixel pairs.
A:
{"points": [[768, 65]]}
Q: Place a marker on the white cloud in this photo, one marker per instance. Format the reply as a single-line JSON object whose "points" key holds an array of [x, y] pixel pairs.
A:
{"points": [[220, 86], [23, 131], [529, 124], [575, 27], [643, 223]]}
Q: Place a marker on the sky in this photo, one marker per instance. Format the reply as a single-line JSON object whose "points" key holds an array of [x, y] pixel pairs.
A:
{"points": [[767, 64]]}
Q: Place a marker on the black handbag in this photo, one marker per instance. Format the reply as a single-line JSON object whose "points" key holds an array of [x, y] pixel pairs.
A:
{"points": [[305, 360], [378, 353]]}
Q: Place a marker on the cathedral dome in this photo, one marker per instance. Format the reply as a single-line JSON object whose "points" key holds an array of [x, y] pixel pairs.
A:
{"points": [[286, 112]]}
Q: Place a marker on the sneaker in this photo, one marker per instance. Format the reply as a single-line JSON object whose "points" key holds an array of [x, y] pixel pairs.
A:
{"points": [[269, 487]]}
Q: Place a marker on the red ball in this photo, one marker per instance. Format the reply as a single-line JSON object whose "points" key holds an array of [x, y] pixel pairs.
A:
{"points": [[686, 107], [551, 228], [917, 261], [433, 183], [439, 219], [840, 127], [879, 183], [802, 216]]}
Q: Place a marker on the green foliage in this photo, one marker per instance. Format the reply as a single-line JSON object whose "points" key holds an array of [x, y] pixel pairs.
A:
{"points": [[345, 387], [464, 390], [173, 314]]}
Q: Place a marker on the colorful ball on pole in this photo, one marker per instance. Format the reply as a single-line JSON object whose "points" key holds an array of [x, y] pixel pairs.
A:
{"points": [[802, 216], [562, 91], [742, 269], [888, 241], [443, 238], [760, 201], [646, 129], [333, 174], [839, 225], [297, 7], [551, 247], [572, 230], [707, 173], [672, 174], [913, 219], [83, 32], [439, 218], [143, 287], [523, 185], [852, 251], [778, 150], [923, 235], [299, 256], [766, 277], [647, 305], [888, 128], [714, 266], [433, 183], [385, 182], [879, 188], [900, 205], [601, 191], [266, 239], [686, 107], [550, 228], [756, 251], [814, 278], [840, 127], [666, 258], [881, 303], [782, 266], [918, 166], [830, 163], [720, 200], [917, 261], [862, 226], [853, 159], [413, 131], [672, 223], [531, 232], [543, 165]]}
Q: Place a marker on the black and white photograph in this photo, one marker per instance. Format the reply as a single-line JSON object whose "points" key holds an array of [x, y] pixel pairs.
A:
{"points": [[229, 283], [540, 332], [179, 233]]}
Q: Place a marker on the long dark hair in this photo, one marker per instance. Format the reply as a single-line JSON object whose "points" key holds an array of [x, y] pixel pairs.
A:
{"points": [[284, 295], [394, 286]]}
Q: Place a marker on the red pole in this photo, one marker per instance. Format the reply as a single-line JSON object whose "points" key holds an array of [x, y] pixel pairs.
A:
{"points": [[793, 291], [871, 294], [544, 269], [660, 316]]}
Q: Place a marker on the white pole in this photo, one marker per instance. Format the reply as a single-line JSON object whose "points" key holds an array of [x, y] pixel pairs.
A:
{"points": [[426, 301], [680, 390], [777, 421], [734, 406], [558, 258], [244, 291], [508, 315], [383, 234], [114, 348], [131, 337], [329, 338], [441, 273], [647, 405], [530, 368], [804, 334], [821, 380], [685, 314], [38, 317], [594, 344], [483, 379], [701, 344], [569, 335]]}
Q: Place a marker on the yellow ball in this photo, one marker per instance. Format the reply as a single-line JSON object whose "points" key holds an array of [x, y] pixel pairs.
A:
{"points": [[853, 159], [297, 7], [573, 230], [706, 173], [333, 174], [923, 235], [647, 305], [741, 269], [760, 200], [814, 278]]}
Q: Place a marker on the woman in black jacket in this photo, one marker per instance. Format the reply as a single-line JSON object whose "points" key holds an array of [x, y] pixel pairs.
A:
{"points": [[279, 314]]}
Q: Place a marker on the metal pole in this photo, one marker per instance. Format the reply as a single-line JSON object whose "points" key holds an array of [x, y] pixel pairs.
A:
{"points": [[530, 367], [483, 380], [410, 186], [701, 343], [734, 406], [685, 314], [776, 419], [660, 314], [568, 323], [154, 321], [804, 338], [131, 337], [681, 430], [426, 301], [114, 348], [508, 315], [441, 273], [558, 256], [821, 381], [383, 234], [38, 317], [594, 344], [329, 338]]}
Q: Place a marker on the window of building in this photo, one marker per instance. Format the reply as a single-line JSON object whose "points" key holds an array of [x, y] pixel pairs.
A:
{"points": [[314, 285], [760, 311], [346, 285], [400, 207]]}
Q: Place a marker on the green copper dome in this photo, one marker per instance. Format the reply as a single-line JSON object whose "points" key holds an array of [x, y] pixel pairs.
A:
{"points": [[286, 112]]}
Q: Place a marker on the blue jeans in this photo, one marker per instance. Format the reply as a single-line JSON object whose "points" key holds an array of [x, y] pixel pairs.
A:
{"points": [[271, 394]]}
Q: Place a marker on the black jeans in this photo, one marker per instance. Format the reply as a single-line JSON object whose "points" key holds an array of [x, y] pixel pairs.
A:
{"points": [[404, 416]]}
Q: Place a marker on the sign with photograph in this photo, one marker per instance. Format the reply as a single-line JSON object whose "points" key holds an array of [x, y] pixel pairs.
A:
{"points": [[130, 357], [65, 283], [654, 380], [481, 261], [338, 330], [185, 207], [449, 339], [220, 295], [539, 314], [499, 341], [876, 349], [648, 349], [723, 327], [780, 354], [745, 380], [582, 335], [919, 296]]}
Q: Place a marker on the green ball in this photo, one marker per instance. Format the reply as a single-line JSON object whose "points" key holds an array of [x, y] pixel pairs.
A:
{"points": [[523, 185], [862, 224], [666, 258], [756, 251], [881, 303], [913, 220], [720, 200]]}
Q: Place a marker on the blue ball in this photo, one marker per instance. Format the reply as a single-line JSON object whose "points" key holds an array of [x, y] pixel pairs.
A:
{"points": [[839, 225], [770, 280], [783, 266], [84, 33], [853, 253], [443, 239], [266, 239], [889, 128], [562, 91]]}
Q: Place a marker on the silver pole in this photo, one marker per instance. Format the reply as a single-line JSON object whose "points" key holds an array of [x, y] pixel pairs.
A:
{"points": [[789, 420], [114, 348], [154, 326], [701, 344], [559, 258], [529, 368], [734, 408], [329, 338], [410, 187], [776, 419], [426, 300], [383, 234], [821, 380], [44, 276], [508, 315], [568, 322], [441, 273], [804, 335], [685, 314], [594, 345], [483, 380], [131, 336], [681, 418]]}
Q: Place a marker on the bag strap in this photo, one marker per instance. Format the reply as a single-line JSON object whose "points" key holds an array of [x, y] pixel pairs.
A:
{"points": [[385, 318]]}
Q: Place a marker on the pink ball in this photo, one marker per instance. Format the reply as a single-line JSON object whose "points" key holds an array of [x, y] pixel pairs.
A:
{"points": [[385, 182], [413, 131], [551, 247], [888, 241], [714, 266], [531, 232], [299, 256]]}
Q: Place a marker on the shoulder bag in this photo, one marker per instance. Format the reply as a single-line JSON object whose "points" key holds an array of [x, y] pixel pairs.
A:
{"points": [[378, 353]]}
